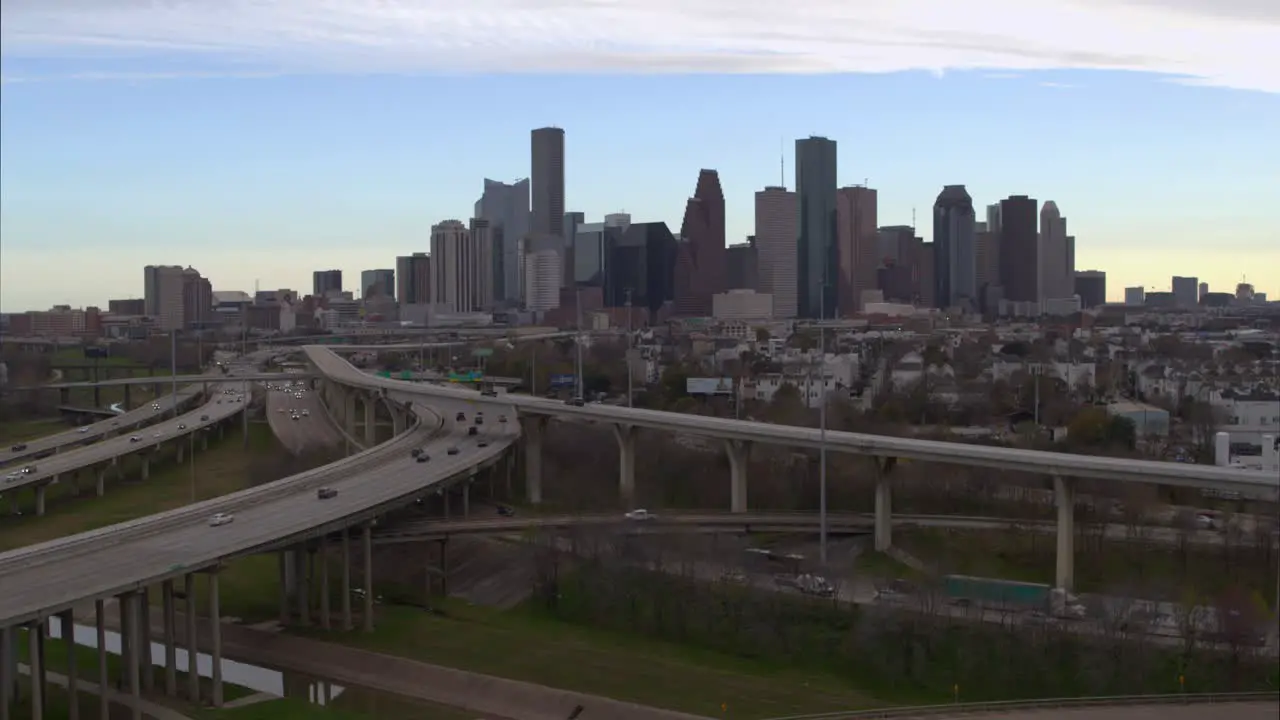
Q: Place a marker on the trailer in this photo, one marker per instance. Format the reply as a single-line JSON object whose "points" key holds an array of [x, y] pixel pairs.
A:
{"points": [[996, 593]]}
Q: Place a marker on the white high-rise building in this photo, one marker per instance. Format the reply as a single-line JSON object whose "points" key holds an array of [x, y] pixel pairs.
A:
{"points": [[777, 236], [1055, 278], [506, 207], [460, 278], [163, 296], [542, 272]]}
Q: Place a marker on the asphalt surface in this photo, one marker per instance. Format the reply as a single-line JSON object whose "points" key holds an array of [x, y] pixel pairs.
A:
{"points": [[218, 409], [1263, 485], [1233, 711], [311, 432], [48, 577]]}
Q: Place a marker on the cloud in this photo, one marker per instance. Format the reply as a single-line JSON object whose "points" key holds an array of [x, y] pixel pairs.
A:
{"points": [[1232, 43]]}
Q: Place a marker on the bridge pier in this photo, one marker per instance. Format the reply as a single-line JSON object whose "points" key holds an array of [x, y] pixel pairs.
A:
{"points": [[324, 583], [146, 468], [349, 411], [302, 563], [145, 668], [170, 643], [366, 542], [532, 427], [129, 639], [64, 396], [100, 480], [625, 435], [1064, 496], [128, 397], [8, 673], [179, 456], [73, 672], [215, 640], [883, 534], [346, 579], [35, 661], [739, 453], [399, 420], [40, 492], [193, 640], [370, 420]]}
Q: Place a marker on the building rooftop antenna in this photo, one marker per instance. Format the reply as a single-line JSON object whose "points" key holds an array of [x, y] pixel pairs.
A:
{"points": [[782, 162]]}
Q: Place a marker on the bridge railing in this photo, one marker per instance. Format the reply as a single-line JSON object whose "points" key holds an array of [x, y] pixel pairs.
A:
{"points": [[1004, 706]]}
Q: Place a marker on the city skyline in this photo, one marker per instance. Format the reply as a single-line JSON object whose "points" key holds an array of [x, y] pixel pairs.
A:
{"points": [[189, 163]]}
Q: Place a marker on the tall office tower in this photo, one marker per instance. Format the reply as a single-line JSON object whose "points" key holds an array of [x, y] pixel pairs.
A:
{"points": [[481, 231], [547, 146], [642, 263], [817, 260], [954, 264], [700, 261], [777, 231], [1203, 290], [1051, 254], [928, 282], [542, 268], [326, 282], [457, 272], [741, 266], [163, 295], [1019, 263], [571, 222], [857, 246], [413, 279], [506, 207], [1091, 287], [986, 259], [899, 244], [1135, 296], [378, 282], [993, 218], [197, 300], [1185, 291]]}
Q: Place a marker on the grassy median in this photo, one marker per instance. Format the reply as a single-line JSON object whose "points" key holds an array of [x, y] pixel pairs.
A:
{"points": [[26, 430], [224, 468]]}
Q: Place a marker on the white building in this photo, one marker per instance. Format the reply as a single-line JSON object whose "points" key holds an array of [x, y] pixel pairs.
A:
{"points": [[777, 232], [742, 305], [163, 295], [461, 266], [542, 275]]}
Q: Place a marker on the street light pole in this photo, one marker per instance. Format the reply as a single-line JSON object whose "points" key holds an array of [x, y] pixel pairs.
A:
{"points": [[578, 339], [173, 370], [192, 452], [628, 362], [822, 425]]}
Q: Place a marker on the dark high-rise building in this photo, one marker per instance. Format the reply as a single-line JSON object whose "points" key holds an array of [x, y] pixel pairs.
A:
{"points": [[547, 145], [701, 253], [413, 279], [197, 300], [572, 220], [1091, 286], [506, 207], [326, 282], [642, 261], [954, 268], [741, 266], [817, 258], [1186, 291], [1019, 249], [378, 282]]}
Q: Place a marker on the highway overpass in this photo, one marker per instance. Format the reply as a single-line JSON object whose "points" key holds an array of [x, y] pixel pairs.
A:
{"points": [[46, 581], [345, 383]]}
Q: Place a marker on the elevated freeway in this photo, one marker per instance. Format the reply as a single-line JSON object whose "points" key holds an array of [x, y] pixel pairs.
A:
{"points": [[738, 436], [47, 580]]}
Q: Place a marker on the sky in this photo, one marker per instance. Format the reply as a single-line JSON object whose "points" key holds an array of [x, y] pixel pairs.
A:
{"points": [[258, 141]]}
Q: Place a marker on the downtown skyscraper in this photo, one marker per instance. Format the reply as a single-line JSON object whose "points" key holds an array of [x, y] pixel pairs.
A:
{"points": [[954, 251], [817, 257], [506, 207], [700, 262]]}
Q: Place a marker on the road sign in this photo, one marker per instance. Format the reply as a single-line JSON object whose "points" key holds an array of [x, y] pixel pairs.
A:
{"points": [[482, 353], [563, 381]]}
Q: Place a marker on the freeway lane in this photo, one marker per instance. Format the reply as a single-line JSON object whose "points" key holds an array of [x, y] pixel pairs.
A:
{"points": [[208, 378], [1256, 484], [218, 409], [268, 516]]}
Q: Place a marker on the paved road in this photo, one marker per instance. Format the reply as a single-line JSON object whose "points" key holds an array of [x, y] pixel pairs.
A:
{"points": [[45, 578], [215, 410], [1230, 711], [307, 433]]}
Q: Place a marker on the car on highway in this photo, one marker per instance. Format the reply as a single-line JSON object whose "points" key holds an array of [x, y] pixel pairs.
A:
{"points": [[506, 511], [12, 477], [640, 514], [325, 493], [482, 444], [479, 419], [306, 412], [83, 430], [221, 519], [155, 406], [423, 457], [473, 430], [182, 426], [204, 418], [157, 434], [461, 417], [502, 418], [489, 392], [28, 469], [453, 450], [415, 452], [576, 402], [19, 447]]}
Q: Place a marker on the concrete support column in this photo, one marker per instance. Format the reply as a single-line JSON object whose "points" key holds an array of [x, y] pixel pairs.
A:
{"points": [[180, 452], [7, 672], [444, 499], [170, 641], [370, 420], [324, 583], [104, 681], [399, 420], [73, 671], [204, 440], [283, 558], [301, 556], [884, 514], [349, 411], [346, 578], [626, 462], [466, 498], [145, 668], [366, 542], [129, 609], [146, 468], [532, 428], [1064, 496], [128, 397], [739, 453], [193, 640], [35, 661], [40, 492], [215, 638], [100, 477], [244, 423]]}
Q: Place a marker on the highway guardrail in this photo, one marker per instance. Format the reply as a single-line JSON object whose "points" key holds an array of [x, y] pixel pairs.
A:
{"points": [[1004, 706]]}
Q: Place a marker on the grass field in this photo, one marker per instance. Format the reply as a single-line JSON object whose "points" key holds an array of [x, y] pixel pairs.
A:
{"points": [[350, 705], [220, 470], [15, 432]]}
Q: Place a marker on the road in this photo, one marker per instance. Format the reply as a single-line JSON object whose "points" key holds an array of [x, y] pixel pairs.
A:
{"points": [[44, 471], [1257, 484], [1231, 711], [307, 433], [42, 579]]}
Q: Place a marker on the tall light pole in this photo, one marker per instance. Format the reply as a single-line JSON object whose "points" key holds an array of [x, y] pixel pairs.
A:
{"points": [[173, 370], [578, 339], [628, 363], [191, 451], [822, 425]]}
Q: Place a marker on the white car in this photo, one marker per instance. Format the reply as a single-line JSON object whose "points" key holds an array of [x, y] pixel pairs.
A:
{"points": [[640, 514], [157, 435], [83, 430], [155, 406], [221, 519], [13, 476]]}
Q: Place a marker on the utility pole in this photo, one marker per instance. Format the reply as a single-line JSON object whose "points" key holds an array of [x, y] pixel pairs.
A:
{"points": [[578, 339], [173, 369], [822, 425]]}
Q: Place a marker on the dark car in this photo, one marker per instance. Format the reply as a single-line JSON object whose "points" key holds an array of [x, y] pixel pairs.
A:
{"points": [[453, 450], [502, 418], [489, 393], [479, 420], [482, 444], [325, 493], [415, 452], [473, 430], [576, 402], [506, 511], [19, 447], [461, 417], [423, 457], [204, 418]]}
